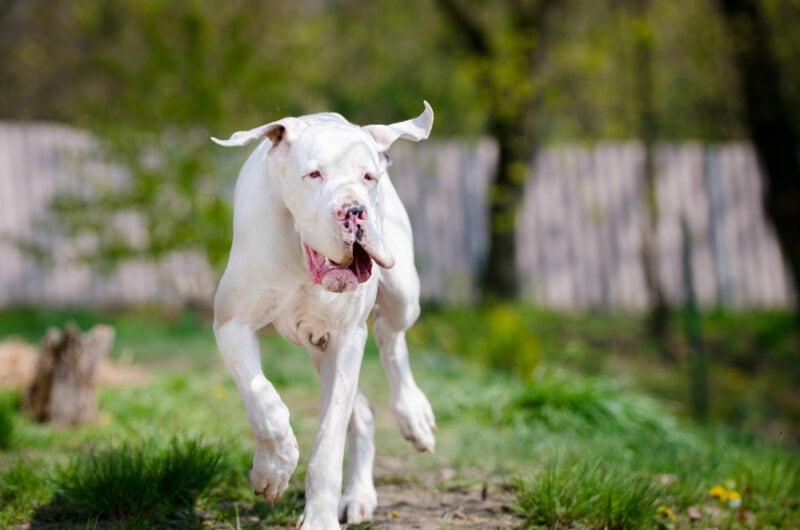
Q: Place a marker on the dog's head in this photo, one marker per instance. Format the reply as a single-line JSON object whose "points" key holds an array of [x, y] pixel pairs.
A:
{"points": [[328, 173]]}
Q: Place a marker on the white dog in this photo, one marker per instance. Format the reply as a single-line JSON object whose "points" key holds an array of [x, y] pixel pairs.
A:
{"points": [[320, 241]]}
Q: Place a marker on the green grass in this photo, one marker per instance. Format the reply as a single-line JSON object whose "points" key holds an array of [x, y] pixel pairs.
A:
{"points": [[6, 423], [752, 356], [590, 491], [577, 447], [562, 401], [22, 487], [589, 452], [619, 480], [136, 481]]}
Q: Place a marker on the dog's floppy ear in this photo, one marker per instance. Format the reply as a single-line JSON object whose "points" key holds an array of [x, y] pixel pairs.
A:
{"points": [[417, 129], [280, 133]]}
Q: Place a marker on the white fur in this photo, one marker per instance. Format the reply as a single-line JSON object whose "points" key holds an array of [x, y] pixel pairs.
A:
{"points": [[295, 189]]}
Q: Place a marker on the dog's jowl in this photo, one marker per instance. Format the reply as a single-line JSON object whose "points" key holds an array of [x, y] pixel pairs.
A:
{"points": [[320, 242]]}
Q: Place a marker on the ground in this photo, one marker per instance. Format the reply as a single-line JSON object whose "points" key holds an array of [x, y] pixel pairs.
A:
{"points": [[425, 498], [416, 506], [561, 449], [420, 506]]}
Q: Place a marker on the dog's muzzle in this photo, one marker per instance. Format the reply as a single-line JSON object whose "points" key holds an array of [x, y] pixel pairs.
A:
{"points": [[335, 277], [362, 248]]}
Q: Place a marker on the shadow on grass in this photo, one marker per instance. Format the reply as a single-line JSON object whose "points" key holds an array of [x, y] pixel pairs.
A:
{"points": [[134, 486]]}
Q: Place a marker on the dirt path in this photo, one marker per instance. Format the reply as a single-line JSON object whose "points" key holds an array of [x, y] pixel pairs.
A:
{"points": [[435, 499], [416, 506]]}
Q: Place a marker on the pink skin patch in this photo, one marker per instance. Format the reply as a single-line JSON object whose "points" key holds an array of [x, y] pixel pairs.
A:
{"points": [[337, 278]]}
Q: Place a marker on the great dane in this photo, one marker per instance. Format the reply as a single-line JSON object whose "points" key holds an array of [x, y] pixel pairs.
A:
{"points": [[320, 242]]}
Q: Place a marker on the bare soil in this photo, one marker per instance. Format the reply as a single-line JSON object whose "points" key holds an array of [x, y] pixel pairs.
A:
{"points": [[416, 506], [436, 499]]}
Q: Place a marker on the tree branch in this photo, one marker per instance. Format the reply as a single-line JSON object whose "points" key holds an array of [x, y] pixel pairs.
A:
{"points": [[466, 26], [528, 16]]}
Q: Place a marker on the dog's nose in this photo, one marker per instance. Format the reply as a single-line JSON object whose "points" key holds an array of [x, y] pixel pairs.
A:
{"points": [[351, 211], [353, 216], [357, 211]]}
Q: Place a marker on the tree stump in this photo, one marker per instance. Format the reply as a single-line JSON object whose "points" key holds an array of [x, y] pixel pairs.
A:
{"points": [[64, 386]]}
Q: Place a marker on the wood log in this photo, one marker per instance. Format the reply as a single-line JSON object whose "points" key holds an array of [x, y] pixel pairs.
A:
{"points": [[63, 391]]}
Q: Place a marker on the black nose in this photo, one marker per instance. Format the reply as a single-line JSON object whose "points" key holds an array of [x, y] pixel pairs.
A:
{"points": [[356, 211]]}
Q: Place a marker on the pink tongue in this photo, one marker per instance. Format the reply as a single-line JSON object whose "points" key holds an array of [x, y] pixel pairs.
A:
{"points": [[339, 280], [336, 278]]}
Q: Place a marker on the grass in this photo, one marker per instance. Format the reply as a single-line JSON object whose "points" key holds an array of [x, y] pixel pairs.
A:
{"points": [[22, 486], [752, 356], [620, 481], [6, 423], [561, 401], [576, 447], [136, 482], [587, 452], [587, 490]]}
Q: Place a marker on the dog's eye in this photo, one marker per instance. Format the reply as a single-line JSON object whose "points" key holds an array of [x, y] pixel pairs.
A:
{"points": [[314, 175], [368, 177]]}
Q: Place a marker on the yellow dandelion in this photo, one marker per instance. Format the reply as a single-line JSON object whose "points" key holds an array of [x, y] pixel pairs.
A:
{"points": [[734, 499], [666, 511], [219, 391], [720, 493], [395, 514]]}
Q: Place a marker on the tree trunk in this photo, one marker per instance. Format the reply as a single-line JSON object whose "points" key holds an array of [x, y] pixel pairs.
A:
{"points": [[513, 129], [64, 386], [647, 127], [768, 118], [500, 281], [698, 363]]}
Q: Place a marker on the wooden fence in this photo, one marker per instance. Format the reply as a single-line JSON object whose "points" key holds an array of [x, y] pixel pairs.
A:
{"points": [[38, 160], [579, 230]]}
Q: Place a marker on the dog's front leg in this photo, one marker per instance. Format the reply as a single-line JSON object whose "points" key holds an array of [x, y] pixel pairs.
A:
{"points": [[339, 368], [276, 452]]}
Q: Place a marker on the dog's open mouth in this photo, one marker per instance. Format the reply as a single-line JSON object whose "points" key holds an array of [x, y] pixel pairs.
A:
{"points": [[338, 278]]}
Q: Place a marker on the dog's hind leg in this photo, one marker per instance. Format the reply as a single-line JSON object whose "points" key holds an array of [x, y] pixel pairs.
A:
{"points": [[359, 499], [276, 452], [396, 310]]}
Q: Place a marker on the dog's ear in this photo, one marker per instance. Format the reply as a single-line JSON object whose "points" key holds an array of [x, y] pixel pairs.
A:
{"points": [[417, 129], [281, 133]]}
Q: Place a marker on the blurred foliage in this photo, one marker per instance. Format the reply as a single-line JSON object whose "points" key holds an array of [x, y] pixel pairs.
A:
{"points": [[559, 401], [751, 355], [6, 423], [500, 337], [219, 67], [155, 79], [171, 198]]}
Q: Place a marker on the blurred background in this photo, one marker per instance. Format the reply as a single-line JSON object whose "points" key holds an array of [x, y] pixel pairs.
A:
{"points": [[614, 183]]}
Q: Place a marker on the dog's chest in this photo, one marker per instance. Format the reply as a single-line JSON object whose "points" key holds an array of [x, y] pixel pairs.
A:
{"points": [[312, 315]]}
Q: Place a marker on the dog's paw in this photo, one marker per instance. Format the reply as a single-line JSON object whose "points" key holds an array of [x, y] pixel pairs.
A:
{"points": [[310, 520], [414, 416], [358, 506], [273, 464]]}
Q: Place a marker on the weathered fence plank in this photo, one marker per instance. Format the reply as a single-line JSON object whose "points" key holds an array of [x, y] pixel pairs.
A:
{"points": [[579, 238]]}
